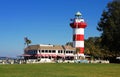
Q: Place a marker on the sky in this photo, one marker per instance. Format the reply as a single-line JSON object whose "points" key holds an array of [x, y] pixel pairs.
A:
{"points": [[44, 22]]}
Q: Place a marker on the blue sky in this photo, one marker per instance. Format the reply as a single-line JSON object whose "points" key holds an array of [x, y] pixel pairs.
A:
{"points": [[44, 22]]}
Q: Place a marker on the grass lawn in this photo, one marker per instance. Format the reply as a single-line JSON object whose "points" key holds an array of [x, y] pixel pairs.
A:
{"points": [[60, 70]]}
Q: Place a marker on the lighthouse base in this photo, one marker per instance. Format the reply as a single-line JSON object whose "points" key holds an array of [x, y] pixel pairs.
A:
{"points": [[82, 55], [79, 56]]}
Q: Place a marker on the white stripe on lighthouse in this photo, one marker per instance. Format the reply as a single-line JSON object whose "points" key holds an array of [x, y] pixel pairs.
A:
{"points": [[78, 31], [78, 43]]}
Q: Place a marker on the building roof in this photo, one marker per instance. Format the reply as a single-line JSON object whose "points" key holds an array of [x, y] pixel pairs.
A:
{"points": [[48, 47], [68, 47]]}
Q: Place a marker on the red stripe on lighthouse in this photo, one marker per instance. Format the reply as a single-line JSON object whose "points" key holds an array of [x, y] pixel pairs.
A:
{"points": [[78, 25], [78, 37], [81, 50]]}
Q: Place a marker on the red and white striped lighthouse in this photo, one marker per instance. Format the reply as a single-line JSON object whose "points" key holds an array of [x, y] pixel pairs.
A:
{"points": [[78, 24]]}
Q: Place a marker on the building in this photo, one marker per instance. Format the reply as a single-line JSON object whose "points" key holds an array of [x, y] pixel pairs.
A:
{"points": [[49, 52], [57, 52]]}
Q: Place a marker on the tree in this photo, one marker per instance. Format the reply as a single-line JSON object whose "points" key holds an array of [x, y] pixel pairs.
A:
{"points": [[92, 47], [109, 26], [69, 43], [27, 41]]}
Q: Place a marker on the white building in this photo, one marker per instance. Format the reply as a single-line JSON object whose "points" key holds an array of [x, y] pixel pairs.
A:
{"points": [[49, 52]]}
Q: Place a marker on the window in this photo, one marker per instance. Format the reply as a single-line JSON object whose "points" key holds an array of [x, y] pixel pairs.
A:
{"points": [[61, 51], [53, 51], [42, 51], [49, 51], [58, 51], [66, 51], [46, 51], [71, 51], [35, 51]]}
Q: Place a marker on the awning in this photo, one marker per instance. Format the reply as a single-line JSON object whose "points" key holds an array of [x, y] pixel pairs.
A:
{"points": [[61, 55], [41, 55], [38, 55], [26, 55], [53, 55], [46, 55], [69, 55]]}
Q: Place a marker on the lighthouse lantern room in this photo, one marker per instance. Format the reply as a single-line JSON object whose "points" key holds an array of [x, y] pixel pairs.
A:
{"points": [[78, 25]]}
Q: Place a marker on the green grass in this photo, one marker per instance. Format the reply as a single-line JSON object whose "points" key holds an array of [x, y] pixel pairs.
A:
{"points": [[60, 70]]}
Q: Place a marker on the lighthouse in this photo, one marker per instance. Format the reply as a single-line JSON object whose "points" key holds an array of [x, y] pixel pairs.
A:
{"points": [[78, 25]]}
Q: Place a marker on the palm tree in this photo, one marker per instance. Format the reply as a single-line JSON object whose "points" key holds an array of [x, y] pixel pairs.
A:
{"points": [[27, 41]]}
